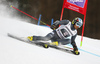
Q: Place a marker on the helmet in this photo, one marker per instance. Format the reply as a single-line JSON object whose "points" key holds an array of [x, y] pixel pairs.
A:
{"points": [[77, 21]]}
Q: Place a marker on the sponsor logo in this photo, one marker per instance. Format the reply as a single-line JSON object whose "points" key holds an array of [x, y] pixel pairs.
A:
{"points": [[79, 3], [76, 1], [73, 8]]}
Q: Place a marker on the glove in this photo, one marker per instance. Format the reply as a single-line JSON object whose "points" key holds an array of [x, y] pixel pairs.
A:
{"points": [[76, 52], [55, 25]]}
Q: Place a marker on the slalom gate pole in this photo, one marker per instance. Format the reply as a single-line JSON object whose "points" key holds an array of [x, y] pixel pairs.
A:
{"points": [[29, 15], [83, 31], [39, 19]]}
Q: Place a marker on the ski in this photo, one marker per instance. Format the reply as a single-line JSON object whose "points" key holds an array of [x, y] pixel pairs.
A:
{"points": [[41, 43], [24, 39]]}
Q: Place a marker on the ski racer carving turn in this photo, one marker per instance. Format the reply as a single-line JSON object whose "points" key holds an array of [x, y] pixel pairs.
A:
{"points": [[63, 35]]}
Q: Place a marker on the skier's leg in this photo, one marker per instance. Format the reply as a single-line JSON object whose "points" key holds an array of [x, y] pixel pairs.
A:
{"points": [[64, 41], [45, 38]]}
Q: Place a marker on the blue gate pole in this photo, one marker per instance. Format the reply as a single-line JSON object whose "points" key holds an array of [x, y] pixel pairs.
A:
{"points": [[52, 21], [39, 19]]}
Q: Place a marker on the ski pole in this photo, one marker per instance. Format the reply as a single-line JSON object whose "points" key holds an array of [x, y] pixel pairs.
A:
{"points": [[29, 15]]}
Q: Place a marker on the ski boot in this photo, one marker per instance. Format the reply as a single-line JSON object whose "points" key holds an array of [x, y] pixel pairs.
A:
{"points": [[30, 38], [52, 44]]}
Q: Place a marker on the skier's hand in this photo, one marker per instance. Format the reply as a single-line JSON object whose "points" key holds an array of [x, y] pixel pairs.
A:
{"points": [[53, 27], [76, 52]]}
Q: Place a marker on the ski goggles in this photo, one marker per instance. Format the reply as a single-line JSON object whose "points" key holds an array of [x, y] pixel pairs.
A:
{"points": [[78, 24]]}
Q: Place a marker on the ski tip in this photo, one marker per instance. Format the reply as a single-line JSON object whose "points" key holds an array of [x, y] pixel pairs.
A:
{"points": [[8, 34]]}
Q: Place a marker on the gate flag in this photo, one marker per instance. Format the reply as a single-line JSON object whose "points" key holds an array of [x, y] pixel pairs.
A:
{"points": [[79, 6]]}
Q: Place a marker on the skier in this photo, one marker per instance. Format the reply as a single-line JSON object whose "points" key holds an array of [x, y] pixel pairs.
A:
{"points": [[65, 34]]}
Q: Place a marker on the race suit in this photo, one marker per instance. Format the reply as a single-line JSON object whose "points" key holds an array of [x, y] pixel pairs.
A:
{"points": [[65, 34]]}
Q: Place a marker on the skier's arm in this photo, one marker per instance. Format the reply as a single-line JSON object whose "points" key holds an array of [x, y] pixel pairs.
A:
{"points": [[75, 49], [63, 22], [73, 42], [57, 23]]}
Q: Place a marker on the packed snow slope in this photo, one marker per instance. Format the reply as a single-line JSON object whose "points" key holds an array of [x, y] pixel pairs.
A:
{"points": [[13, 51]]}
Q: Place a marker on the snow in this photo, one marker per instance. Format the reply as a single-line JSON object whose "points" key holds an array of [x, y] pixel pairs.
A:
{"points": [[13, 51]]}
